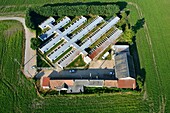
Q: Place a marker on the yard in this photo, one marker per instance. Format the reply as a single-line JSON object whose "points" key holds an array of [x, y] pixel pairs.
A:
{"points": [[78, 62]]}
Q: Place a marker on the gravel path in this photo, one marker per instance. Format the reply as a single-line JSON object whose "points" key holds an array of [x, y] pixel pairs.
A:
{"points": [[30, 55]]}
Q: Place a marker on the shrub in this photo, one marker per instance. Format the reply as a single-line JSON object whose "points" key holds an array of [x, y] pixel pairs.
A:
{"points": [[35, 43]]}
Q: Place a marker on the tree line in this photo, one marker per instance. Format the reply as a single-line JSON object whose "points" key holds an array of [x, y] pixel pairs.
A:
{"points": [[36, 15]]}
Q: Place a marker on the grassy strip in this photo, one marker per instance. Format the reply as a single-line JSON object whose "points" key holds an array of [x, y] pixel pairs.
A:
{"points": [[40, 62], [45, 30], [83, 25], [109, 57], [59, 19], [63, 54], [93, 30], [78, 62], [70, 23], [45, 58], [102, 38], [50, 50]]}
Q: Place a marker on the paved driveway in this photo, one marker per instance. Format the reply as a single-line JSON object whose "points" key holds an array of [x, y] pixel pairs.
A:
{"points": [[30, 55], [82, 74]]}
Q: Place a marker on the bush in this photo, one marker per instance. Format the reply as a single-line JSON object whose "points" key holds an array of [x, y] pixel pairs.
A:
{"points": [[35, 43]]}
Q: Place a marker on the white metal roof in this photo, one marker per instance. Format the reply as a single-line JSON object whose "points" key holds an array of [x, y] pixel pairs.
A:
{"points": [[59, 25], [52, 43], [100, 33], [76, 37], [46, 22]]}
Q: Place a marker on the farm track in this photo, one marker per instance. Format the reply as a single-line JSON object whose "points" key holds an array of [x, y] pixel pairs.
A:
{"points": [[163, 98]]}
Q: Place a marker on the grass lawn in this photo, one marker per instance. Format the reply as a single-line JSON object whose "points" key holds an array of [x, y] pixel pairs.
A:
{"points": [[72, 21], [40, 62], [78, 62], [63, 54], [92, 31], [109, 57], [50, 50], [83, 25], [102, 38]]}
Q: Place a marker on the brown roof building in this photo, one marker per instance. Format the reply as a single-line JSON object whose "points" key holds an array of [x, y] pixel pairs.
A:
{"points": [[127, 83], [110, 83], [46, 82], [58, 84]]}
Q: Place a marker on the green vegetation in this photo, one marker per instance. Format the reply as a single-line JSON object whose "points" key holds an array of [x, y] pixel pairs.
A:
{"points": [[156, 14], [92, 31], [17, 93], [96, 103], [70, 23], [128, 30], [35, 43], [50, 50], [109, 57], [78, 62], [102, 37], [41, 62], [100, 90], [63, 54], [82, 26], [36, 15]]}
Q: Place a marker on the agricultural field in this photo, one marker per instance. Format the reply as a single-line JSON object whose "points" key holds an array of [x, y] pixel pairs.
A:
{"points": [[152, 44], [17, 93]]}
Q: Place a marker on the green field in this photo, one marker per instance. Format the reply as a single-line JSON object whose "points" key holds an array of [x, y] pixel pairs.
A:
{"points": [[17, 93], [154, 64]]}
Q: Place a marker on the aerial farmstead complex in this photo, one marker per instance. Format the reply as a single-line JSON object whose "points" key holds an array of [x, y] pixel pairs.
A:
{"points": [[65, 48]]}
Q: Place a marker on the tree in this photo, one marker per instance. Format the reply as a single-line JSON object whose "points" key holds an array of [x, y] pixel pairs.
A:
{"points": [[139, 82], [127, 35], [35, 43]]}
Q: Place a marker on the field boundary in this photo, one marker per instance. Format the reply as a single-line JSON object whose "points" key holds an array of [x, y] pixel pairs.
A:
{"points": [[162, 101]]}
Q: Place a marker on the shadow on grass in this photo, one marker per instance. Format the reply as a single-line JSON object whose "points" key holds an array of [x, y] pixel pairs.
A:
{"points": [[139, 24], [140, 72]]}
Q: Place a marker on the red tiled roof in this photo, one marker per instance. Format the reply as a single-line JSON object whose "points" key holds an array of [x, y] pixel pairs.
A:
{"points": [[127, 83], [46, 81], [95, 53], [59, 83], [110, 83]]}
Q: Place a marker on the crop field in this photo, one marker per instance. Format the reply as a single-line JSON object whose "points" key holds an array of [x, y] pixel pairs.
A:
{"points": [[153, 45], [16, 92], [95, 104], [153, 48]]}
